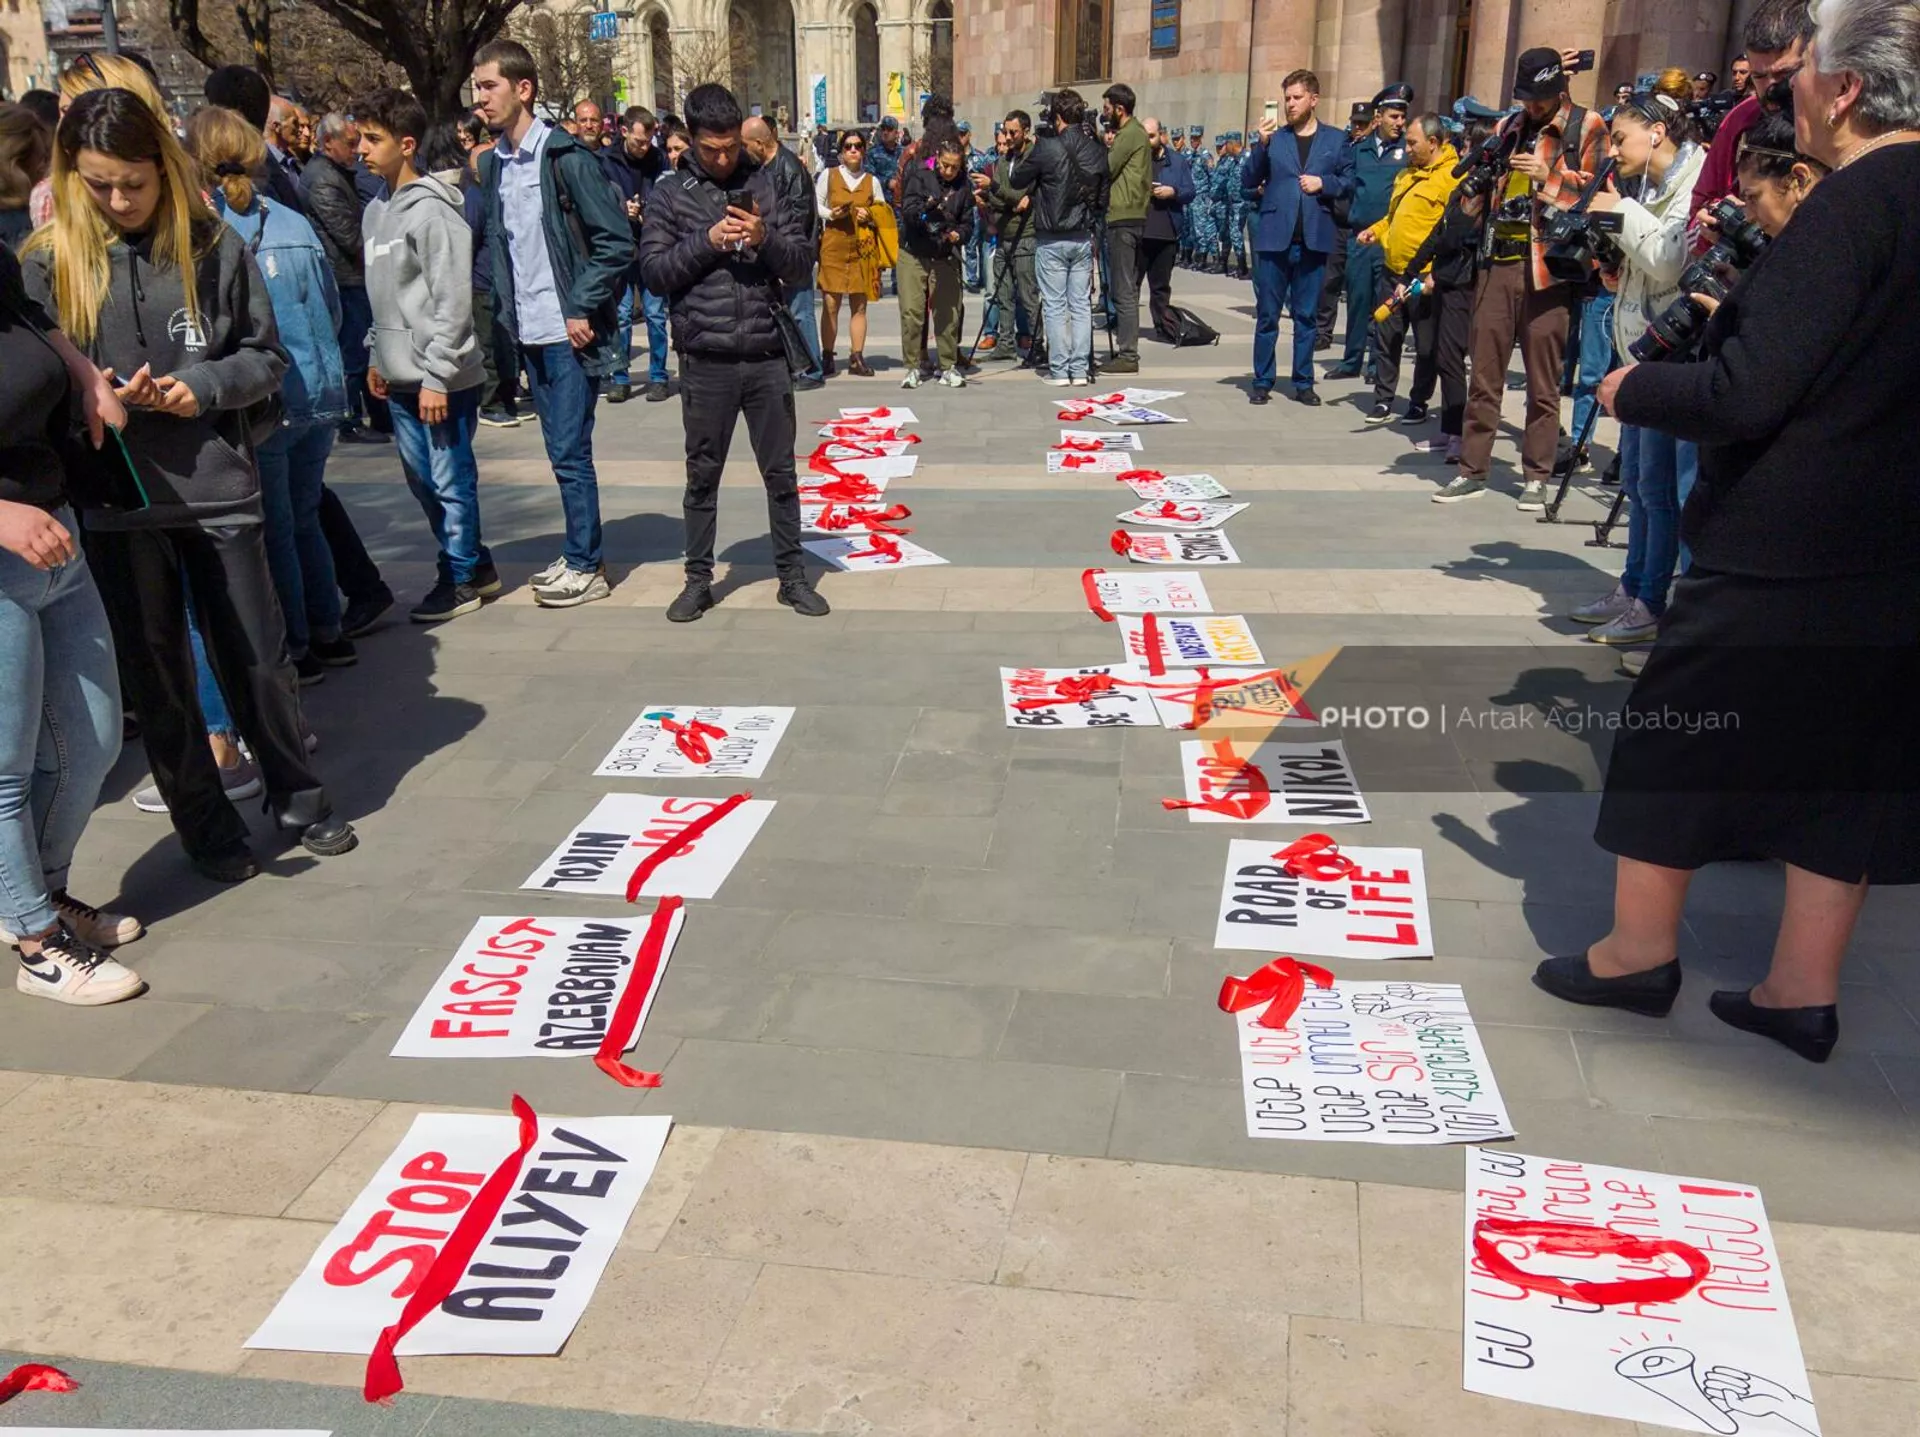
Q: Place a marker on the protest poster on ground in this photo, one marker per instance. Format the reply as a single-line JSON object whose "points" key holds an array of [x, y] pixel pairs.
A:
{"points": [[850, 489], [828, 516], [871, 551], [1179, 488], [1109, 696], [625, 829], [1300, 783], [868, 449], [538, 987], [1127, 593], [1136, 396], [1636, 1295], [879, 470], [1099, 439], [1134, 414], [691, 741], [535, 1269], [861, 431], [1395, 1063], [1377, 911], [883, 413], [1068, 461], [1185, 641], [1201, 546], [1174, 514], [1247, 700]]}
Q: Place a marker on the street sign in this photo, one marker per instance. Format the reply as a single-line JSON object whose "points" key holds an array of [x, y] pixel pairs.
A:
{"points": [[604, 26]]}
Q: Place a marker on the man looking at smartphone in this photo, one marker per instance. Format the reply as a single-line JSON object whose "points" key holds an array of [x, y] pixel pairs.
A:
{"points": [[719, 244]]}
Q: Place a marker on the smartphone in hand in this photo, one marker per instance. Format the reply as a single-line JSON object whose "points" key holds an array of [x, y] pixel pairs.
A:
{"points": [[743, 200]]}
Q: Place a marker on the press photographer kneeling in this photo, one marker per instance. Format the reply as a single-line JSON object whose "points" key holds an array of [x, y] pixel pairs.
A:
{"points": [[1800, 614]]}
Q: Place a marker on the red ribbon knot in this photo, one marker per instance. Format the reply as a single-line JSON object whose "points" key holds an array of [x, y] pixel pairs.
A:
{"points": [[691, 738], [1141, 476], [880, 547], [1318, 857], [878, 521], [1074, 689], [1280, 985], [35, 1377], [1250, 802]]}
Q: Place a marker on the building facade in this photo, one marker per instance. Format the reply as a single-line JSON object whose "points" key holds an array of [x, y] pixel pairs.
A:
{"points": [[1217, 62], [24, 63]]}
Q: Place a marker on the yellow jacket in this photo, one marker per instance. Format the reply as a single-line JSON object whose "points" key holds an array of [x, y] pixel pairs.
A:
{"points": [[1418, 200]]}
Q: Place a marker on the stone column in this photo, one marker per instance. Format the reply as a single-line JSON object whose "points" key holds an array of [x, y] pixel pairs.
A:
{"points": [[1491, 50], [900, 41], [819, 42], [1565, 25], [1368, 55], [1283, 42]]}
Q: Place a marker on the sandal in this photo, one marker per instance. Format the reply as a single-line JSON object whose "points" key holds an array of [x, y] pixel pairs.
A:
{"points": [[857, 364]]}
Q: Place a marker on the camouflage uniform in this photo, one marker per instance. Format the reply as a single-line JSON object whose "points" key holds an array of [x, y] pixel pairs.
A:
{"points": [[1240, 210], [1228, 211]]}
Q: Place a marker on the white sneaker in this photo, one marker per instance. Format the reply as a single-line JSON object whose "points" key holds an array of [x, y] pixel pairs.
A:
{"points": [[94, 927], [1605, 609], [239, 782], [1533, 497], [551, 573], [1056, 380], [572, 589], [70, 971], [912, 381], [954, 379]]}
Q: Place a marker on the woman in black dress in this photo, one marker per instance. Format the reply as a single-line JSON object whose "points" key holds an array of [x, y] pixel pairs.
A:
{"points": [[1775, 715]]}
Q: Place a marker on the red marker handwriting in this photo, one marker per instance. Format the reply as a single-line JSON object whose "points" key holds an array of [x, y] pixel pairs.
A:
{"points": [[1573, 1240], [1280, 985]]}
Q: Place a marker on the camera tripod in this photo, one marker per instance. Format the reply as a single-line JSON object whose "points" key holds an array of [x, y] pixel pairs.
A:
{"points": [[1568, 466]]}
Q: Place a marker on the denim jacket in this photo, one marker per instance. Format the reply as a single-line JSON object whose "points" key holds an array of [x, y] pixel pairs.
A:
{"points": [[306, 307]]}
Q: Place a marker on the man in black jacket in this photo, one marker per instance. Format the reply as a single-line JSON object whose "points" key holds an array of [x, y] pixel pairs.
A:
{"points": [[334, 206], [719, 243], [1068, 170], [795, 188], [646, 164]]}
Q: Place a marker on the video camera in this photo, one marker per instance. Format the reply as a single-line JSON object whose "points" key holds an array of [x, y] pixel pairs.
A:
{"points": [[1576, 239], [1488, 163], [1708, 114], [1674, 331]]}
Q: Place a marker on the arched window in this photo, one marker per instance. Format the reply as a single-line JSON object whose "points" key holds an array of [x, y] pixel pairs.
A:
{"points": [[866, 64], [940, 46], [1084, 44], [660, 47]]}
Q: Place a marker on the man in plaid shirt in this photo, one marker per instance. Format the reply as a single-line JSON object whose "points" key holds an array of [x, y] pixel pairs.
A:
{"points": [[1561, 146]]}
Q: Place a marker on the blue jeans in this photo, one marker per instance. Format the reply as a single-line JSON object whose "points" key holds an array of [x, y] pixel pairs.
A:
{"points": [[213, 703], [1595, 357], [442, 474], [973, 256], [59, 727], [1651, 465], [292, 463], [1064, 270], [1289, 278], [800, 306], [654, 306], [563, 396], [623, 335], [356, 318], [1689, 472]]}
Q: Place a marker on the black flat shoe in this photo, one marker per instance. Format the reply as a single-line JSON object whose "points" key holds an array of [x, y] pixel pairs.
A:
{"points": [[329, 838], [1810, 1032], [1649, 994], [230, 865]]}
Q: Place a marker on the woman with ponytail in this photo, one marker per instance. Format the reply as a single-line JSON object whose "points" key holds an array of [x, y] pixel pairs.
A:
{"points": [[163, 297]]}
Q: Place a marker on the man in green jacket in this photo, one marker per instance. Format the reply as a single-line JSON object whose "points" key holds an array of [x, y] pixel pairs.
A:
{"points": [[1130, 184]]}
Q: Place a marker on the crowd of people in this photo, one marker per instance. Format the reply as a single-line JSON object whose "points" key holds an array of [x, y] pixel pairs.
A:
{"points": [[197, 316]]}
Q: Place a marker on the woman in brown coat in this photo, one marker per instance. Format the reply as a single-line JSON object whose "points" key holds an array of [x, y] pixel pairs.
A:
{"points": [[850, 260]]}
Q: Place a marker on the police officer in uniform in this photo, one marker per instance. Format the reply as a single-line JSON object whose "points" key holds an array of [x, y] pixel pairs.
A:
{"points": [[1378, 158], [1359, 123], [1226, 198], [1195, 213]]}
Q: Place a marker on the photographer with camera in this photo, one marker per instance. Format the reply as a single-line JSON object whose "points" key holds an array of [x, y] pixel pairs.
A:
{"points": [[1538, 162], [1419, 200], [1067, 170], [1655, 165], [1805, 527], [1010, 220], [1776, 36], [936, 214]]}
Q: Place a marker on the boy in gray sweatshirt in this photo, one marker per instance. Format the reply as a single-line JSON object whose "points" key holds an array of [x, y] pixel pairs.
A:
{"points": [[425, 358]]}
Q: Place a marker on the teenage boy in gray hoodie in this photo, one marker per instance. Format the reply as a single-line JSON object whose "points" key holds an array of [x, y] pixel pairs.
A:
{"points": [[426, 358]]}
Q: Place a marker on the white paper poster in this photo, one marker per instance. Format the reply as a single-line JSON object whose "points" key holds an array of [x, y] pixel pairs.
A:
{"points": [[1178, 487], [1068, 461], [1379, 911], [1396, 1063], [1201, 546], [1126, 440], [1129, 593], [879, 470], [624, 828], [871, 551], [1175, 514], [1187, 641], [1137, 396], [533, 1273], [871, 449], [883, 414], [1135, 414], [861, 431], [827, 516], [1076, 698], [1304, 782], [679, 741], [820, 488], [534, 988], [1720, 1356], [1240, 697]]}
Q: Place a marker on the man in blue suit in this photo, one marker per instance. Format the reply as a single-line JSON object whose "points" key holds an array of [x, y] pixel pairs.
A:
{"points": [[1305, 170]]}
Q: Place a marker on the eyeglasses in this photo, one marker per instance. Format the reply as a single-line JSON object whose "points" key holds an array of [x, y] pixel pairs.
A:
{"points": [[851, 145]]}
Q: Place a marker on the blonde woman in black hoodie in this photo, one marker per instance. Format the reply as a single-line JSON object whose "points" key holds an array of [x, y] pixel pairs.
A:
{"points": [[167, 300]]}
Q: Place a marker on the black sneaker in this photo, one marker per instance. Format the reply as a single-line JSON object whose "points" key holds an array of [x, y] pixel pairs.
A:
{"points": [[1306, 397], [309, 670], [363, 614], [335, 653], [230, 865], [1379, 414], [657, 392], [1416, 414], [691, 602], [1257, 395], [445, 601], [800, 596], [329, 838], [485, 580], [807, 382], [619, 392], [498, 416]]}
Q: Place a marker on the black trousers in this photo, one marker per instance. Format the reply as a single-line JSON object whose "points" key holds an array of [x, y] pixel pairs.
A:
{"points": [[713, 392], [353, 567], [1453, 324], [144, 577], [1159, 255], [1420, 315], [1333, 281], [1124, 274]]}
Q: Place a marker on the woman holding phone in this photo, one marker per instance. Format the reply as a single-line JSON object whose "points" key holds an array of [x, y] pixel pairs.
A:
{"points": [[169, 302], [847, 198]]}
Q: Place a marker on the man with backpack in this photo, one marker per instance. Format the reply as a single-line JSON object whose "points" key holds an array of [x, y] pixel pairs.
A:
{"points": [[564, 253], [1171, 191], [1067, 169]]}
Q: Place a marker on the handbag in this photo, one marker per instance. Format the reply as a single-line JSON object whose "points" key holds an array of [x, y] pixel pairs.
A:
{"points": [[800, 359]]}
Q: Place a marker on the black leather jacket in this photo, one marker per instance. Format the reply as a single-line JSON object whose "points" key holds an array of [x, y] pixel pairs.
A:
{"points": [[1069, 174], [335, 207]]}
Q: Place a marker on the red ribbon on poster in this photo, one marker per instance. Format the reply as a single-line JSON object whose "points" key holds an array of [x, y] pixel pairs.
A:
{"points": [[1076, 689], [1140, 476], [1167, 509], [1280, 985], [1316, 856], [1120, 541], [626, 1014], [35, 1377], [680, 843], [1075, 411], [1090, 586], [1077, 461], [1573, 1240], [383, 1370], [1150, 641], [691, 738], [878, 521], [881, 548], [1108, 399], [1082, 446], [847, 489], [1251, 802]]}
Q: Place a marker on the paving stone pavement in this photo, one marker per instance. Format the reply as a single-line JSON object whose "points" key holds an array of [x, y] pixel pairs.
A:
{"points": [[970, 958]]}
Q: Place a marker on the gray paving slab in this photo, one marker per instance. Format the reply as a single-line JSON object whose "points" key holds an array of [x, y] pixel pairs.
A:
{"points": [[894, 1015]]}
